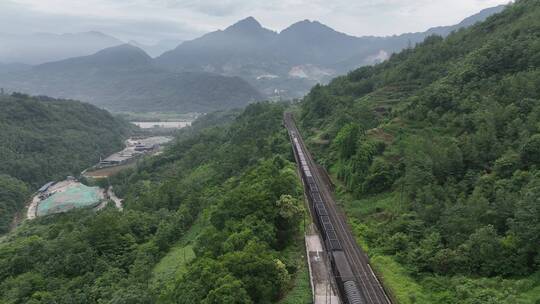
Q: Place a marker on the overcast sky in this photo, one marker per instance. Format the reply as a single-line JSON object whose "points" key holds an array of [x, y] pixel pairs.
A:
{"points": [[150, 20]]}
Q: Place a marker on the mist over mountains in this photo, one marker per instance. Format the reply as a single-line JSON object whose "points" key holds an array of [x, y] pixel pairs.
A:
{"points": [[157, 48], [45, 47], [292, 61], [222, 69], [41, 48], [124, 78]]}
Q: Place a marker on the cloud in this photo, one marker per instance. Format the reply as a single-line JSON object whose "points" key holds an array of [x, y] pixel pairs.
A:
{"points": [[152, 20]]}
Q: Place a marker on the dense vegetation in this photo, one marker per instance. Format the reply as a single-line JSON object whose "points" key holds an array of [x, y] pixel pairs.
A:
{"points": [[45, 139], [437, 154], [236, 184], [13, 195]]}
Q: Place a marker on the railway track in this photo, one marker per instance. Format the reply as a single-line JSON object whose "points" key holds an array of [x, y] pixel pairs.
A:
{"points": [[370, 286]]}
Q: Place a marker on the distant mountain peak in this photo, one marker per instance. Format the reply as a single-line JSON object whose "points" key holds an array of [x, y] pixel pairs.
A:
{"points": [[123, 48], [249, 21], [121, 56], [312, 30], [304, 26], [244, 25], [98, 34], [79, 35], [307, 21], [125, 53]]}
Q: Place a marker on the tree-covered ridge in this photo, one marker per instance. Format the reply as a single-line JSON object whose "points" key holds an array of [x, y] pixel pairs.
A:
{"points": [[45, 139], [237, 179], [442, 143], [13, 194]]}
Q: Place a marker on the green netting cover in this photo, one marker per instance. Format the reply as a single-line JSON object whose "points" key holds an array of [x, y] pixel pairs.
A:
{"points": [[73, 197]]}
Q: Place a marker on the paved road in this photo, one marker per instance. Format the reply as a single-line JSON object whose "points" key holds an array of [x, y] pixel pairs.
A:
{"points": [[117, 201], [369, 284]]}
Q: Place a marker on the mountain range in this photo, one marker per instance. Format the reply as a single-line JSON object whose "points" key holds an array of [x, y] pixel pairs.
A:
{"points": [[222, 69], [292, 61], [124, 78]]}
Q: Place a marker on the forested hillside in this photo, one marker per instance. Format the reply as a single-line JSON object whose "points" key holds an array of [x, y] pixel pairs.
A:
{"points": [[229, 197], [436, 157], [45, 139]]}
